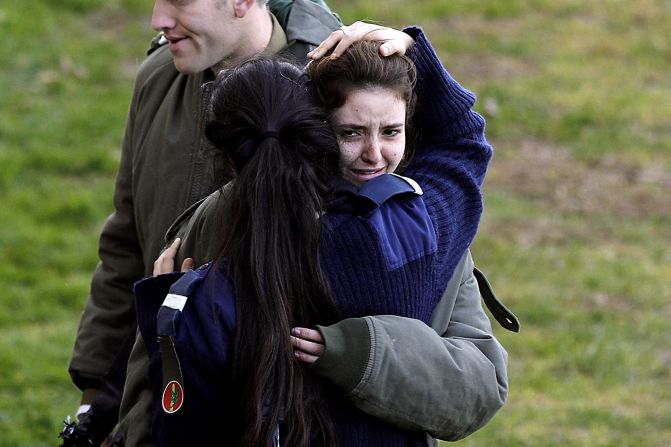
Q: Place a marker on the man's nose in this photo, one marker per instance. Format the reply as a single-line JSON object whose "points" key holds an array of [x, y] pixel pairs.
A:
{"points": [[162, 17]]}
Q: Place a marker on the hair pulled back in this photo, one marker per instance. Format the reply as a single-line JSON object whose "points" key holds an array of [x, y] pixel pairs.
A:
{"points": [[286, 159], [362, 66]]}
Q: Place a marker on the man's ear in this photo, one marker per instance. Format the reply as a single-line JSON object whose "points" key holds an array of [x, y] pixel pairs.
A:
{"points": [[241, 7]]}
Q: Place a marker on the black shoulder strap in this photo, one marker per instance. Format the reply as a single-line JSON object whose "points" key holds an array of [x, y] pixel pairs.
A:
{"points": [[167, 322], [503, 315]]}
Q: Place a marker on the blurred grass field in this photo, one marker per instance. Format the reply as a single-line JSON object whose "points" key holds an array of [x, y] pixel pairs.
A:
{"points": [[576, 235]]}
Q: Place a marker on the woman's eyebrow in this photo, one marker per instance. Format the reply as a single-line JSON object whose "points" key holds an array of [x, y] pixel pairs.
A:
{"points": [[355, 126]]}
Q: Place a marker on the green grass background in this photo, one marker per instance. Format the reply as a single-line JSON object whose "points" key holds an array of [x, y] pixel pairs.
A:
{"points": [[576, 235]]}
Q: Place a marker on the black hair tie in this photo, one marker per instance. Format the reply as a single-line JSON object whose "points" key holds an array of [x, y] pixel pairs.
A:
{"points": [[270, 134]]}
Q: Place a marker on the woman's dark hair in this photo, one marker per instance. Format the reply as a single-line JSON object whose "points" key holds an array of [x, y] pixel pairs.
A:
{"points": [[362, 67], [286, 158]]}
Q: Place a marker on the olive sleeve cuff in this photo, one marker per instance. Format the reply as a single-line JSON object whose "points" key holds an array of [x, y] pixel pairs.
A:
{"points": [[347, 353]]}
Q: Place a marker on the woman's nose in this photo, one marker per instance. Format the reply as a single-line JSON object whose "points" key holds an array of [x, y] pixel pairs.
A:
{"points": [[372, 153]]}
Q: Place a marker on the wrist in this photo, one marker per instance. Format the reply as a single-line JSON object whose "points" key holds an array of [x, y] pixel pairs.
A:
{"points": [[347, 350]]}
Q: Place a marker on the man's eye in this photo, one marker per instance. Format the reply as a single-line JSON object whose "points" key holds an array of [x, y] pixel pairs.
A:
{"points": [[392, 132], [345, 133]]}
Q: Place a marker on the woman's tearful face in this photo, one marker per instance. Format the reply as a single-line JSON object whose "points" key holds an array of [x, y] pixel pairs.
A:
{"points": [[370, 127]]}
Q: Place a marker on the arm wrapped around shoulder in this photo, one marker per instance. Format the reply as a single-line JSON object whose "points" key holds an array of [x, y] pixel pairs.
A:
{"points": [[448, 380]]}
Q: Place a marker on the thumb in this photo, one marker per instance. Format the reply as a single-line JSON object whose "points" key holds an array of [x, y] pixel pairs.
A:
{"points": [[386, 49], [187, 264], [399, 44], [391, 47]]}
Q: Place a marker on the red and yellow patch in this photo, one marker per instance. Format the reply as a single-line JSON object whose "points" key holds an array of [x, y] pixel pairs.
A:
{"points": [[173, 397]]}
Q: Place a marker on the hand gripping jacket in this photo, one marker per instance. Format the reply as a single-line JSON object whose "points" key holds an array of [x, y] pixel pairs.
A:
{"points": [[188, 323]]}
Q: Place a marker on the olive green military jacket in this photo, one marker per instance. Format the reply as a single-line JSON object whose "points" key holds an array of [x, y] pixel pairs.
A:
{"points": [[162, 172]]}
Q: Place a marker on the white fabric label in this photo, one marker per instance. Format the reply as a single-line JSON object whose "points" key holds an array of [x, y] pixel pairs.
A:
{"points": [[175, 301]]}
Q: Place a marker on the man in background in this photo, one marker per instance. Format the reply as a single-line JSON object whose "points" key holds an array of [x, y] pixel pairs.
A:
{"points": [[165, 168]]}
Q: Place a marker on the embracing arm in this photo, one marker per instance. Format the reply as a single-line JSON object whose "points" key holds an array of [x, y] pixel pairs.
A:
{"points": [[448, 379], [452, 153]]}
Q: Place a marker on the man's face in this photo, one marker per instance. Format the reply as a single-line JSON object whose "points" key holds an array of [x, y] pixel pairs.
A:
{"points": [[370, 128], [201, 33]]}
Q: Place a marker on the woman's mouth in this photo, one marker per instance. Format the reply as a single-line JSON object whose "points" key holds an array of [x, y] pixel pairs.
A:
{"points": [[363, 175]]}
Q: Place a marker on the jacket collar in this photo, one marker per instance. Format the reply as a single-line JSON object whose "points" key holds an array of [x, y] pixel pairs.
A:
{"points": [[310, 23], [278, 39]]}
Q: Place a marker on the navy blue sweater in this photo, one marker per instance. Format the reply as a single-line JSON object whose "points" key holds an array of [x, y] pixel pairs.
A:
{"points": [[398, 259]]}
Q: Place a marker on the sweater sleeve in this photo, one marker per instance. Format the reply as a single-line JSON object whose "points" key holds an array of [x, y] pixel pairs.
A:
{"points": [[448, 129], [451, 156], [444, 112], [447, 380]]}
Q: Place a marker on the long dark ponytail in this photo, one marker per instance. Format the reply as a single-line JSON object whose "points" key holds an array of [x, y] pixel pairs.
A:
{"points": [[286, 160]]}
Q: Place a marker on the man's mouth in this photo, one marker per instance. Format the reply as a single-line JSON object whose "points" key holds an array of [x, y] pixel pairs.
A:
{"points": [[174, 41]]}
